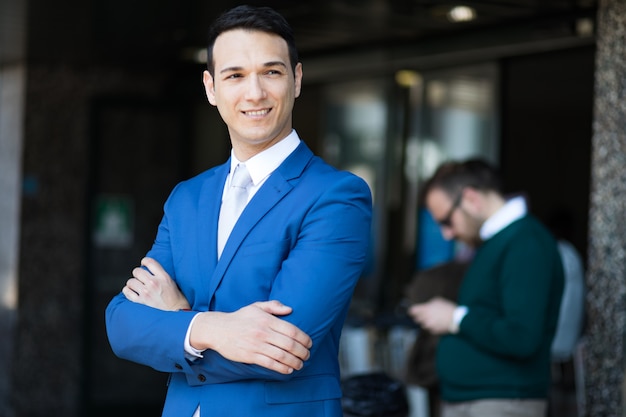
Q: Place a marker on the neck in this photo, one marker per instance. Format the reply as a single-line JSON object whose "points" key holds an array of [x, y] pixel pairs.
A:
{"points": [[493, 202]]}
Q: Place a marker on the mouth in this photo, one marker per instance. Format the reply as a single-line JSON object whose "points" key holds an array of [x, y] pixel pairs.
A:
{"points": [[257, 113]]}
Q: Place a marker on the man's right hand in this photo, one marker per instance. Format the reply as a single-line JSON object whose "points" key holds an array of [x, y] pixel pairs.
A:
{"points": [[435, 315], [254, 335], [154, 287]]}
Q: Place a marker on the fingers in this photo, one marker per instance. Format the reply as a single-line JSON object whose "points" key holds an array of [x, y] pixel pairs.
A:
{"points": [[151, 285], [415, 311], [271, 364], [274, 307], [130, 294], [136, 289], [279, 360], [421, 314], [281, 354], [143, 283], [282, 327], [133, 285], [291, 338], [286, 346], [142, 275], [252, 335], [434, 315], [153, 267]]}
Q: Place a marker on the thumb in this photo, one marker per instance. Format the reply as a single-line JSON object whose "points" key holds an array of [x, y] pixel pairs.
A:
{"points": [[275, 307]]}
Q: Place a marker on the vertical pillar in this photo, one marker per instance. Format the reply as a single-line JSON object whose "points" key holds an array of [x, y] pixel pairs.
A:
{"points": [[12, 81], [606, 279], [11, 117]]}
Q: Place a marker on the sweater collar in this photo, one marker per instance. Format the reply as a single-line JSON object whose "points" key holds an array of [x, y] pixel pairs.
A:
{"points": [[514, 209]]}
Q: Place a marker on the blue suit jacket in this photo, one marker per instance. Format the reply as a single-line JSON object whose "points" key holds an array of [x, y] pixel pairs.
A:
{"points": [[302, 240]]}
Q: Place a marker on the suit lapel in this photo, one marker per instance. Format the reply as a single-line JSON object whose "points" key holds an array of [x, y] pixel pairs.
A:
{"points": [[209, 202], [277, 186]]}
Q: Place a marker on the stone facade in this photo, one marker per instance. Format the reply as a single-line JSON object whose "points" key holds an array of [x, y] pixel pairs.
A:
{"points": [[606, 279], [48, 368]]}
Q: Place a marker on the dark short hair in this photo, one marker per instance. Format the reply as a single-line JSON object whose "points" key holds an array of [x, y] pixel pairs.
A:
{"points": [[264, 19], [453, 176]]}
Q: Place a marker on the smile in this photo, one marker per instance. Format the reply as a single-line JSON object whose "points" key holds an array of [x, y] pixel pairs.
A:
{"points": [[257, 112]]}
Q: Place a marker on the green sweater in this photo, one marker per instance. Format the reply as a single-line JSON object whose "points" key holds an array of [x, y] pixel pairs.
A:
{"points": [[513, 291]]}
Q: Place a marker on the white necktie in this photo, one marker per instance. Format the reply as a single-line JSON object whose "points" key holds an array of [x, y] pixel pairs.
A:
{"points": [[235, 199]]}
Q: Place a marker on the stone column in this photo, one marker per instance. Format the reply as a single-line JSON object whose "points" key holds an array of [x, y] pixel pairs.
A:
{"points": [[11, 102], [606, 280], [12, 87]]}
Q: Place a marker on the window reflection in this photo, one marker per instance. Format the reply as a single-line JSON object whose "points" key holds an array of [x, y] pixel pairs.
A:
{"points": [[394, 133], [356, 126], [454, 117]]}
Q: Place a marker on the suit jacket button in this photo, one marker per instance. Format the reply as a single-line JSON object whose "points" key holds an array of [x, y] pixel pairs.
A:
{"points": [[178, 366], [201, 378]]}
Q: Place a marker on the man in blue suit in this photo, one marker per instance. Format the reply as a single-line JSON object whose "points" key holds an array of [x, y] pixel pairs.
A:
{"points": [[250, 327]]}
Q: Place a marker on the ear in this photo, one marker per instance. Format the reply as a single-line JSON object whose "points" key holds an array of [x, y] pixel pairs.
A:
{"points": [[209, 87], [298, 78], [472, 200]]}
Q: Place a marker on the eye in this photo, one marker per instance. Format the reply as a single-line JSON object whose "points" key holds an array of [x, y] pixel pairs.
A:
{"points": [[274, 72]]}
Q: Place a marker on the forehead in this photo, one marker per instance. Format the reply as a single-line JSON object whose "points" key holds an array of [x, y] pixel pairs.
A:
{"points": [[438, 201], [240, 46]]}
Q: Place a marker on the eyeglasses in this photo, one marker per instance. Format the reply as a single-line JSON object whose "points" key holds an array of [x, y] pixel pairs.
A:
{"points": [[447, 221]]}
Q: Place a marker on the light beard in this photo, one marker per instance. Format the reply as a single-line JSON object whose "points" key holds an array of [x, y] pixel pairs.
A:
{"points": [[473, 225]]}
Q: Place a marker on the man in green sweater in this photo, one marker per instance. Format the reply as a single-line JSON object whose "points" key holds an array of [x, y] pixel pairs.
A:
{"points": [[493, 358]]}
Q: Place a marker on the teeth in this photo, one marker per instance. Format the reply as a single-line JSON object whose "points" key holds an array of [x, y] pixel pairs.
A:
{"points": [[257, 112]]}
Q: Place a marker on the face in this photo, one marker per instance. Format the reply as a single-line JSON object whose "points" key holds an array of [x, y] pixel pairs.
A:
{"points": [[254, 88], [454, 217]]}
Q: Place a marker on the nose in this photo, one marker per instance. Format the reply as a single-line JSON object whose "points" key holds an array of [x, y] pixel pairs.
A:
{"points": [[255, 88], [447, 232]]}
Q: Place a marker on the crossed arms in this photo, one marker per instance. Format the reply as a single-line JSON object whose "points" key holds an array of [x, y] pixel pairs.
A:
{"points": [[253, 334], [313, 267]]}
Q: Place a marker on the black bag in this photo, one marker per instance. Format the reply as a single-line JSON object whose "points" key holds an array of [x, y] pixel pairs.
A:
{"points": [[374, 395]]}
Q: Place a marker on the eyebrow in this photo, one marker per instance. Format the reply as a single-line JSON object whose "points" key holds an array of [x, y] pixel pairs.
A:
{"points": [[267, 65]]}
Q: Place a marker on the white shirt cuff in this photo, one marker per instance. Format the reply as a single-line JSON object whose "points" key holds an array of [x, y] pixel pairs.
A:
{"points": [[457, 317], [191, 353]]}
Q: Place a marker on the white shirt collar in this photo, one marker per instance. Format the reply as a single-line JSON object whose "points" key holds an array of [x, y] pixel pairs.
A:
{"points": [[261, 165], [514, 209]]}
